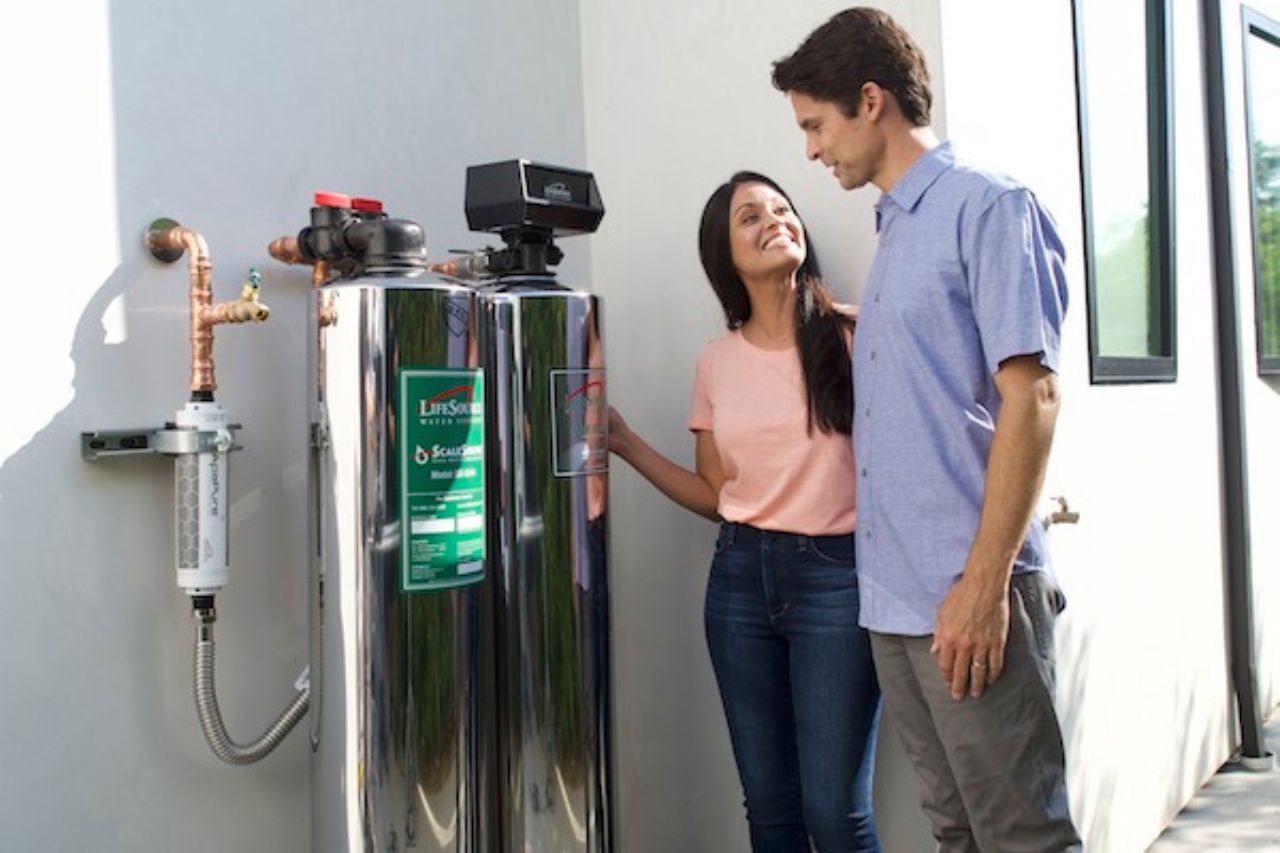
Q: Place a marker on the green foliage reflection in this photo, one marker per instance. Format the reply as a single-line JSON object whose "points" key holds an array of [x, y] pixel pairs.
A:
{"points": [[1124, 288], [1266, 201]]}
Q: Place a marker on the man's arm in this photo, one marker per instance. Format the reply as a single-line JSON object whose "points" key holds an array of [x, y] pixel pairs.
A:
{"points": [[972, 623]]}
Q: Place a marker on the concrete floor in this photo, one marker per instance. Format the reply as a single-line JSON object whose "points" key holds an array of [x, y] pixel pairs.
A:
{"points": [[1236, 810]]}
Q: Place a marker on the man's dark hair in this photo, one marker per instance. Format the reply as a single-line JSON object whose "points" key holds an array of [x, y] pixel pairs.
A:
{"points": [[858, 46], [822, 330]]}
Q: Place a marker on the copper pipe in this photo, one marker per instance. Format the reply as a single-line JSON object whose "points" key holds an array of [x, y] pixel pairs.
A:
{"points": [[472, 266], [204, 314], [242, 310], [199, 295], [285, 250], [328, 313]]}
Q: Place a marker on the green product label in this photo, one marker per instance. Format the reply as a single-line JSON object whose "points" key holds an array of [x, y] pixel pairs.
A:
{"points": [[441, 432], [579, 422]]}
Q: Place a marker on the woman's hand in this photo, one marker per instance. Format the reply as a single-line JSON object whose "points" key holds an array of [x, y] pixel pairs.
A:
{"points": [[619, 434]]}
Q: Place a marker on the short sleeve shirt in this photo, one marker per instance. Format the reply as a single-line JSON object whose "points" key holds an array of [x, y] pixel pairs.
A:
{"points": [[778, 476], [968, 272]]}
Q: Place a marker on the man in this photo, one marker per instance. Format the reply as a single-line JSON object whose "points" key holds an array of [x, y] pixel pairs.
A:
{"points": [[955, 362]]}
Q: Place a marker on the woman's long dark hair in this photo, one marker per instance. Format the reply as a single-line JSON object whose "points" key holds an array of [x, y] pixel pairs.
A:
{"points": [[821, 329]]}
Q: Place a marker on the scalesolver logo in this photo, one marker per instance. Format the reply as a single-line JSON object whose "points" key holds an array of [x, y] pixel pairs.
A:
{"points": [[451, 403], [444, 453]]}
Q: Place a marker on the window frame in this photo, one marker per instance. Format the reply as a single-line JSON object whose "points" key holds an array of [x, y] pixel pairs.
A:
{"points": [[1254, 23], [1161, 366]]}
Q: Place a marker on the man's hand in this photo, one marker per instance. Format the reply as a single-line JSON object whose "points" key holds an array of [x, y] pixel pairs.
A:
{"points": [[969, 636]]}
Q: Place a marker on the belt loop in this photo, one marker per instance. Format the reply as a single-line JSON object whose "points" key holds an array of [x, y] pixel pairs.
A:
{"points": [[730, 532]]}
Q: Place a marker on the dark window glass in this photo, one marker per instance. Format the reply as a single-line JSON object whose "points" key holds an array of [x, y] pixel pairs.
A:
{"points": [[1125, 152]]}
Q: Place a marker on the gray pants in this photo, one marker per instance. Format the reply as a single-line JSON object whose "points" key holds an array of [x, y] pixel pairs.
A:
{"points": [[992, 768]]}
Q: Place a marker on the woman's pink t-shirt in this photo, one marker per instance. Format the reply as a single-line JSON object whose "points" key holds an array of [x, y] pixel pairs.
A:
{"points": [[777, 476]]}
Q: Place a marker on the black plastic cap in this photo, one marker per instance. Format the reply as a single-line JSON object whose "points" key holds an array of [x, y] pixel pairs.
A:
{"points": [[388, 243]]}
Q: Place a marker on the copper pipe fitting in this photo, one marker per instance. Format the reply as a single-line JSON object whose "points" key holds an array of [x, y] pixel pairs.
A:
{"points": [[328, 313], [167, 241], [285, 250], [319, 274], [242, 310], [472, 266]]}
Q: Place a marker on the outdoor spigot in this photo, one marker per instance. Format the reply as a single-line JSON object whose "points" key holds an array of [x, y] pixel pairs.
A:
{"points": [[245, 309], [252, 286]]}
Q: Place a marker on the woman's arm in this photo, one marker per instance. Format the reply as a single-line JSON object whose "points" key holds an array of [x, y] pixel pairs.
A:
{"points": [[695, 491]]}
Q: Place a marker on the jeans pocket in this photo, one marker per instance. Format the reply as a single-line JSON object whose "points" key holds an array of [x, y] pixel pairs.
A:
{"points": [[1038, 596], [836, 550]]}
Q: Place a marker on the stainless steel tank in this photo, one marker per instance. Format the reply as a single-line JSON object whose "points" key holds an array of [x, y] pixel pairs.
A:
{"points": [[544, 367], [397, 762], [461, 482]]}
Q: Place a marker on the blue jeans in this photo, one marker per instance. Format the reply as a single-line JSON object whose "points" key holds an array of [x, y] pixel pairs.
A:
{"points": [[798, 685]]}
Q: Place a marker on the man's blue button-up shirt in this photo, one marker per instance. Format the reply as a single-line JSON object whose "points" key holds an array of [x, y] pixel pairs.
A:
{"points": [[968, 272]]}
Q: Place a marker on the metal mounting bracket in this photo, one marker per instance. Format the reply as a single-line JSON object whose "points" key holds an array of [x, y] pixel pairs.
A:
{"points": [[167, 441]]}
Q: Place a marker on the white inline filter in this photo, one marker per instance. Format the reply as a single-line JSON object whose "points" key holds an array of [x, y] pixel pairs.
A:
{"points": [[200, 502]]}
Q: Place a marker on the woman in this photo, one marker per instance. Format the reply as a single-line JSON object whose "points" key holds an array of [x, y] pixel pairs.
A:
{"points": [[772, 413]]}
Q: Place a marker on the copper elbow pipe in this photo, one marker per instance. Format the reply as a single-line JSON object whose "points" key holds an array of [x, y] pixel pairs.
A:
{"points": [[167, 241]]}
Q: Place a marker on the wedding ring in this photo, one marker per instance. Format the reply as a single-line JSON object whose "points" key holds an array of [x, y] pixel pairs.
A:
{"points": [[977, 665]]}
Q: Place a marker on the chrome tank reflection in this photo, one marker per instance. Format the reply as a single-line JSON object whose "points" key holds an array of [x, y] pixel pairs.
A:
{"points": [[544, 365], [397, 750]]}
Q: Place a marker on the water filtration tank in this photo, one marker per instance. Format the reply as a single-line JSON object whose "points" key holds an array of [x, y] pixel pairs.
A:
{"points": [[400, 481], [461, 668], [545, 368], [543, 360]]}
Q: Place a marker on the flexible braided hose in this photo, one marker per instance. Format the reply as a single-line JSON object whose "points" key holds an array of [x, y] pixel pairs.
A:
{"points": [[215, 732]]}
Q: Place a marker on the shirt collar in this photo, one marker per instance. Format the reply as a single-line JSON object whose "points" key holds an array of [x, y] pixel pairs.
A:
{"points": [[911, 187]]}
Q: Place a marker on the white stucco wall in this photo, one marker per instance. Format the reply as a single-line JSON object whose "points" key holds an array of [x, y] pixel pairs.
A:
{"points": [[225, 117]]}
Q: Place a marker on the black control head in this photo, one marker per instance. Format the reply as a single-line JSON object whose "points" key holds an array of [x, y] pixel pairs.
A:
{"points": [[517, 195]]}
